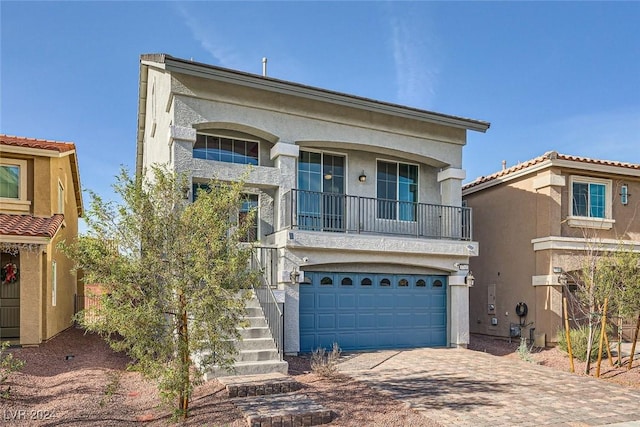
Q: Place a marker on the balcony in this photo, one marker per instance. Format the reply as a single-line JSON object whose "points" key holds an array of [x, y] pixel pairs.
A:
{"points": [[340, 213]]}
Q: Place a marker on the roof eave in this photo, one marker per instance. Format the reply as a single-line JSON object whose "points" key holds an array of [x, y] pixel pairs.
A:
{"points": [[317, 94]]}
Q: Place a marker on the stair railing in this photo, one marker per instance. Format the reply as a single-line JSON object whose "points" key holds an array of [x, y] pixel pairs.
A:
{"points": [[264, 260]]}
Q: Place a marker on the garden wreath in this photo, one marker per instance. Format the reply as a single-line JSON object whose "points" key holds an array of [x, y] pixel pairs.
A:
{"points": [[9, 273]]}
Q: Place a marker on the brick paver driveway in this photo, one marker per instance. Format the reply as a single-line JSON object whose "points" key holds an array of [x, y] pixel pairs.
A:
{"points": [[467, 388]]}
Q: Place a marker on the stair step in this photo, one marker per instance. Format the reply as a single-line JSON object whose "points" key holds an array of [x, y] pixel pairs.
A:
{"points": [[291, 409], [254, 312], [256, 322], [257, 355], [259, 385], [255, 332], [249, 368], [265, 343]]}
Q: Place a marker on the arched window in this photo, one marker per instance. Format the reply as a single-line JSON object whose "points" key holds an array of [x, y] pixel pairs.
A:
{"points": [[421, 283], [403, 283], [366, 282], [385, 282], [326, 281], [437, 283], [346, 281]]}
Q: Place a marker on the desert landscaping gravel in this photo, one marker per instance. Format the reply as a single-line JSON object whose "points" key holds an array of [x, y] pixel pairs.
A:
{"points": [[74, 379]]}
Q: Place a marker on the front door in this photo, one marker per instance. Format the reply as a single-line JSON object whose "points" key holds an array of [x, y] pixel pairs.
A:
{"points": [[9, 301], [321, 203]]}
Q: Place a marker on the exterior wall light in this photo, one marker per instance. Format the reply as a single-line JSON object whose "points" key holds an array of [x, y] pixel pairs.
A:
{"points": [[624, 194], [362, 177], [328, 176], [469, 279], [295, 276]]}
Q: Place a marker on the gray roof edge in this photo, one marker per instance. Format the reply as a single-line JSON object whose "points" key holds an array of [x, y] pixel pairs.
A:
{"points": [[282, 86]]}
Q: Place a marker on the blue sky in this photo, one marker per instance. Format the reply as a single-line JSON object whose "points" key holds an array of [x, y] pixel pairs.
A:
{"points": [[559, 76]]}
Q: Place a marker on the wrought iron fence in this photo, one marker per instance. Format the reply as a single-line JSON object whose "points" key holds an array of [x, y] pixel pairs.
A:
{"points": [[316, 211]]}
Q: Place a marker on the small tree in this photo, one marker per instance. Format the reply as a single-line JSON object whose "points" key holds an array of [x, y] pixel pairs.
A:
{"points": [[174, 277]]}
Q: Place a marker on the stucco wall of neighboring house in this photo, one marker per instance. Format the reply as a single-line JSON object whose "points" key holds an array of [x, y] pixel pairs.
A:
{"points": [[504, 222], [31, 298], [627, 217], [59, 316]]}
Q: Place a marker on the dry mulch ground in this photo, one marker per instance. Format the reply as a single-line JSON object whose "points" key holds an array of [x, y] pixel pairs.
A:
{"points": [[74, 379]]}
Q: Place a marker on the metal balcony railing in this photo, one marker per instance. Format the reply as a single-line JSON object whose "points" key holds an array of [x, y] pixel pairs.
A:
{"points": [[330, 212]]}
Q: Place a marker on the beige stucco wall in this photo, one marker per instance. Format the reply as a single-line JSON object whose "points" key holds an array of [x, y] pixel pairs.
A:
{"points": [[503, 225], [510, 219], [39, 319]]}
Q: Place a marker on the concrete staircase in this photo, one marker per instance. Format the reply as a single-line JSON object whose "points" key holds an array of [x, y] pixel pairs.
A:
{"points": [[257, 352]]}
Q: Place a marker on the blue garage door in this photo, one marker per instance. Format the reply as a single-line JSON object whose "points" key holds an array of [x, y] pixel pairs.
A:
{"points": [[372, 311]]}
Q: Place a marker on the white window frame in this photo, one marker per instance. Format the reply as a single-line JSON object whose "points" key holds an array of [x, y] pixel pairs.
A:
{"points": [[397, 162], [54, 283], [221, 135], [21, 204], [605, 223]]}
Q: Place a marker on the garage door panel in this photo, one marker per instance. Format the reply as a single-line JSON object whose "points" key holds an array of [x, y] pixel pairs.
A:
{"points": [[404, 301], [403, 320], [346, 320], [367, 300], [372, 311], [326, 321], [347, 301], [366, 320], [326, 301], [384, 320]]}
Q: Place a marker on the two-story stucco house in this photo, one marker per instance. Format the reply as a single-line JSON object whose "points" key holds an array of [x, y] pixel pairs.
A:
{"points": [[40, 202], [535, 222], [361, 199]]}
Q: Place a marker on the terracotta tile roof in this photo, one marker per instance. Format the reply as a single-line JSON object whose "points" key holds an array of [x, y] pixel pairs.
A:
{"points": [[27, 225], [43, 144], [548, 156]]}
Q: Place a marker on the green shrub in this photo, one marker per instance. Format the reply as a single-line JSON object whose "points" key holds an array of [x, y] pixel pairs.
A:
{"points": [[8, 365], [579, 340], [524, 351]]}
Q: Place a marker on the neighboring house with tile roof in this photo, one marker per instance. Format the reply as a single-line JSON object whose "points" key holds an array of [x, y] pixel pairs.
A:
{"points": [[40, 203], [536, 219], [359, 199]]}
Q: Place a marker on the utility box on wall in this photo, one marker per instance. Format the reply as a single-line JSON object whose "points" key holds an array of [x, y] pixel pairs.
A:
{"points": [[491, 299]]}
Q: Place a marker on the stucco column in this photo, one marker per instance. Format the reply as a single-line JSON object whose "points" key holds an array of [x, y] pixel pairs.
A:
{"points": [[458, 310], [32, 292], [181, 140], [285, 156], [292, 318], [450, 180]]}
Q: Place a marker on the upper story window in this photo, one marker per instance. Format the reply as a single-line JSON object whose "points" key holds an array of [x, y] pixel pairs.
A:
{"points": [[211, 147], [10, 181], [13, 185], [397, 184], [591, 201]]}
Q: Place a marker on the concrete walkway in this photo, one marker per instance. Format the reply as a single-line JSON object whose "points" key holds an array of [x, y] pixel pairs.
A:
{"points": [[467, 388]]}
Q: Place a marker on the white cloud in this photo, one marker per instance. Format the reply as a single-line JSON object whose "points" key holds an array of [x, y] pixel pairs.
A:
{"points": [[416, 63], [204, 33]]}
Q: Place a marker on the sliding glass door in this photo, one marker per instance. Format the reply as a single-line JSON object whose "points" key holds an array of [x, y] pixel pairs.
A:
{"points": [[321, 202]]}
